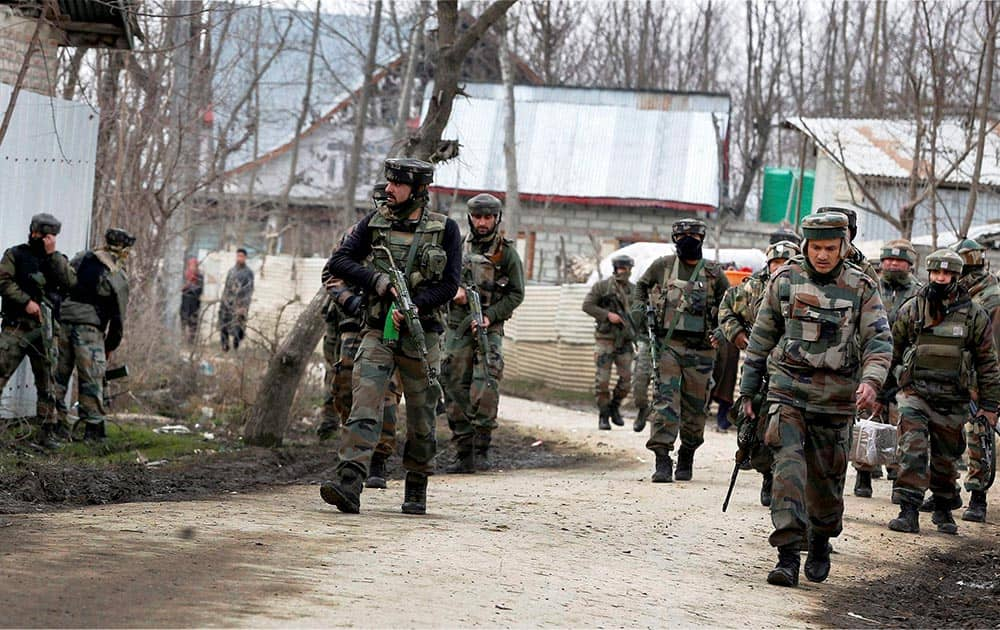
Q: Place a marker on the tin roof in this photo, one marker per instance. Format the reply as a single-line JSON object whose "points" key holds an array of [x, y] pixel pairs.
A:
{"points": [[884, 148], [91, 23], [590, 146]]}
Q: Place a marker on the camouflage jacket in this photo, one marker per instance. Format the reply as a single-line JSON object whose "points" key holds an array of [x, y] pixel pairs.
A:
{"points": [[740, 304], [688, 304], [26, 275], [610, 296], [894, 294], [496, 269], [819, 336], [943, 358], [238, 288], [984, 289]]}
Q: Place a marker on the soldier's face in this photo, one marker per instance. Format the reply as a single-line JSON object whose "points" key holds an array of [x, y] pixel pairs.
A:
{"points": [[895, 264], [774, 264], [824, 254], [397, 192], [483, 224], [940, 276]]}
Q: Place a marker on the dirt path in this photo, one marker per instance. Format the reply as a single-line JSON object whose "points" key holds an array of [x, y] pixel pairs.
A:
{"points": [[581, 547]]}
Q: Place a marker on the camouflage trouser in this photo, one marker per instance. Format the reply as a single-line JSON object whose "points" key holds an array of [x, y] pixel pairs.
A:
{"points": [[376, 362], [762, 455], [930, 444], [642, 374], [682, 398], [331, 356], [810, 463], [15, 343], [471, 399], [606, 354], [975, 478], [81, 346]]}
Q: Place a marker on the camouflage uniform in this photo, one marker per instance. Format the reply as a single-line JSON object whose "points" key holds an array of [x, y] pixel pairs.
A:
{"points": [[687, 315], [28, 274], [234, 305], [820, 330], [93, 319], [613, 343], [494, 268], [428, 253]]}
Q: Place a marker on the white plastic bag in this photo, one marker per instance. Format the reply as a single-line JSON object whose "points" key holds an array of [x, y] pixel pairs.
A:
{"points": [[873, 443]]}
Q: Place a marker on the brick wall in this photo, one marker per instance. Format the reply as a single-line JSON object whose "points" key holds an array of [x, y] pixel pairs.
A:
{"points": [[15, 34]]}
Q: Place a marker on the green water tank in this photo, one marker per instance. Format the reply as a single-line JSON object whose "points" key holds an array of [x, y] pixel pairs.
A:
{"points": [[779, 186]]}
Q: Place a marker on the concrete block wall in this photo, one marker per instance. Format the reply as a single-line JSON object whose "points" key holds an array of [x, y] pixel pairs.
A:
{"points": [[15, 35]]}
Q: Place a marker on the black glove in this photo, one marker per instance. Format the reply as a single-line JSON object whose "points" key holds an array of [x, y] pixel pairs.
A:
{"points": [[352, 305]]}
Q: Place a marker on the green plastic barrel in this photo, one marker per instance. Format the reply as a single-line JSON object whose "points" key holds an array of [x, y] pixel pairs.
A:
{"points": [[779, 185]]}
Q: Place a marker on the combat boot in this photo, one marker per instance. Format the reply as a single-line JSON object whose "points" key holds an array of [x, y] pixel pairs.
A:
{"points": [[464, 462], [603, 416], [47, 436], [345, 493], [765, 489], [640, 419], [786, 572], [956, 502], [685, 463], [614, 410], [863, 484], [818, 559], [376, 472], [877, 472], [664, 468], [415, 494], [891, 474], [482, 450], [942, 517], [94, 432], [976, 512], [908, 520]]}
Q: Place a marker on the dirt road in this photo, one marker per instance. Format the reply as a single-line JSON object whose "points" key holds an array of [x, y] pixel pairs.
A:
{"points": [[581, 547]]}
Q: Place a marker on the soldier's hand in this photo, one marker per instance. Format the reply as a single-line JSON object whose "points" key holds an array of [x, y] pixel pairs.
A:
{"points": [[877, 409], [460, 296], [741, 340], [486, 323], [614, 318], [747, 405], [991, 417], [865, 396], [398, 318], [33, 309]]}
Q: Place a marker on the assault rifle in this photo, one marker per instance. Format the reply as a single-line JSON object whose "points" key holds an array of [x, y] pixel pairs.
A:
{"points": [[654, 350], [987, 442], [746, 438], [482, 340], [113, 374], [404, 304]]}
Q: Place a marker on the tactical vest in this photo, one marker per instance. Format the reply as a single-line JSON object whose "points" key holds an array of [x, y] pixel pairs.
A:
{"points": [[87, 304], [819, 325], [688, 302], [483, 269], [418, 254], [29, 277], [937, 363]]}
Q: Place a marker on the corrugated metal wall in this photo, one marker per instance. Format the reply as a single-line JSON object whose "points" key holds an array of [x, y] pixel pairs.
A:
{"points": [[46, 165]]}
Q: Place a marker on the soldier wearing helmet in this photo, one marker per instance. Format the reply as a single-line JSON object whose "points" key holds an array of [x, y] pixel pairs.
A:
{"points": [[425, 247], [822, 342], [854, 255], [682, 293], [93, 318], [609, 303], [33, 279], [492, 268], [984, 290], [737, 313], [942, 348]]}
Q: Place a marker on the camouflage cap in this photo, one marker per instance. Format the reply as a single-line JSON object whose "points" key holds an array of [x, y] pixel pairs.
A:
{"points": [[899, 248], [971, 252], [409, 171], [45, 223], [784, 235], [690, 226], [782, 250], [484, 204], [824, 225], [622, 261], [945, 260]]}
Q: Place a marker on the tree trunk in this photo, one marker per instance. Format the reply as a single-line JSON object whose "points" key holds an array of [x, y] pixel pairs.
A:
{"points": [[406, 94], [512, 207], [984, 107], [267, 420], [360, 117]]}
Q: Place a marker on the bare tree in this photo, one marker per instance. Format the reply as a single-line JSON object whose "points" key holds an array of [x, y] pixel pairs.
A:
{"points": [[987, 65], [512, 209], [361, 112]]}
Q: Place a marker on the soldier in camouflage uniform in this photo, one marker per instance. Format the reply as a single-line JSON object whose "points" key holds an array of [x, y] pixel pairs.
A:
{"points": [[33, 279], [427, 247], [93, 321], [822, 336], [896, 285], [690, 290], [855, 257], [985, 291], [737, 313], [608, 302], [493, 268], [943, 343]]}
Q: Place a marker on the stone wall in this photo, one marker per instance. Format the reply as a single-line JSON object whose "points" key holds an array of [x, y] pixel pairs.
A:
{"points": [[15, 35]]}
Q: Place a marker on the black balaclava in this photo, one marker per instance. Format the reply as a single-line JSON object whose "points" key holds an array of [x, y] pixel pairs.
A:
{"points": [[688, 247]]}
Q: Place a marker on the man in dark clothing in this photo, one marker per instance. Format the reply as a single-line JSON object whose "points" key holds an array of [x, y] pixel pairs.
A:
{"points": [[194, 284], [235, 303]]}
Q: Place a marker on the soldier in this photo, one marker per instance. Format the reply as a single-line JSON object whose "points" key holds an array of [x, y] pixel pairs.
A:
{"points": [[608, 302], [93, 320], [33, 279], [985, 291], [690, 290], [426, 246], [855, 257], [493, 269], [943, 342], [821, 329], [235, 302], [896, 285], [737, 313]]}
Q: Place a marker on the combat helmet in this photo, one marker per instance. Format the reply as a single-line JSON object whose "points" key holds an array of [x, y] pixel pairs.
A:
{"points": [[45, 223], [622, 261], [782, 250], [850, 213], [118, 238], [409, 171], [945, 260], [827, 225], [689, 226], [972, 253], [899, 248]]}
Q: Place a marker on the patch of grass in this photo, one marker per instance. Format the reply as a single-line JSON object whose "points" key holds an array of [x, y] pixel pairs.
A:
{"points": [[124, 443]]}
